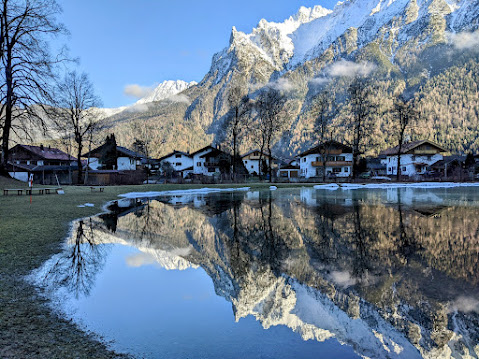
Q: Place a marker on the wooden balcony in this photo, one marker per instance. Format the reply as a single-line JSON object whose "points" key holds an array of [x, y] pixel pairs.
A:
{"points": [[426, 152], [212, 164], [333, 164]]}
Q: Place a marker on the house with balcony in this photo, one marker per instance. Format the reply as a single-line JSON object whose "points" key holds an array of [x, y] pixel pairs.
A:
{"points": [[46, 163], [331, 157], [181, 162], [416, 157], [251, 161], [126, 160], [210, 160]]}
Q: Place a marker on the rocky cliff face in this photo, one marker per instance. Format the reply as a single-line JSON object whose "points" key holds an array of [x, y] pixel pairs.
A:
{"points": [[401, 44]]}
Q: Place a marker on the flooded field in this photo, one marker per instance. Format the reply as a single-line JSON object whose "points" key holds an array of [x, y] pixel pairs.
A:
{"points": [[297, 273]]}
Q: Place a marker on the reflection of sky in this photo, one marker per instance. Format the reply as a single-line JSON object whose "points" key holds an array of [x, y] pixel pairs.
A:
{"points": [[176, 314]]}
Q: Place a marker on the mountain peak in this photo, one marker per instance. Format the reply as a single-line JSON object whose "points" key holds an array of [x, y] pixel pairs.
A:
{"points": [[165, 90]]}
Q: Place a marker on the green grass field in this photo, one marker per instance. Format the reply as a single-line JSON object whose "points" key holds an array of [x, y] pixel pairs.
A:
{"points": [[30, 233]]}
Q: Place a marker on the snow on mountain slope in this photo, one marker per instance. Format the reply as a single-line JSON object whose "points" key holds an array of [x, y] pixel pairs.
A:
{"points": [[165, 90]]}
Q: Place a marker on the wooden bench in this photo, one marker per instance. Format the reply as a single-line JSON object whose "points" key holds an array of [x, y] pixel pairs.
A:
{"points": [[29, 191], [100, 188], [49, 190], [18, 190]]}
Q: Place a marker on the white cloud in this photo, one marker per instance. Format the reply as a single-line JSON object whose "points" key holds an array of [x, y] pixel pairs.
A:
{"points": [[319, 81], [343, 279], [180, 98], [136, 108], [138, 91], [282, 85], [346, 68], [464, 40]]}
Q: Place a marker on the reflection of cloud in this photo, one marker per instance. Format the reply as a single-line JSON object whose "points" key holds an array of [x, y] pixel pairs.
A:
{"points": [[140, 260], [138, 91], [346, 68], [464, 40], [465, 304], [343, 279]]}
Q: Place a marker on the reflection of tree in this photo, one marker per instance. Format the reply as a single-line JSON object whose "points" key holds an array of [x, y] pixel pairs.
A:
{"points": [[407, 245], [76, 269]]}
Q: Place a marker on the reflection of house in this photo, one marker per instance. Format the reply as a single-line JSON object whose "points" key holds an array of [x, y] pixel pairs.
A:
{"points": [[416, 157], [251, 161], [126, 160], [43, 162], [180, 161], [331, 156], [210, 160]]}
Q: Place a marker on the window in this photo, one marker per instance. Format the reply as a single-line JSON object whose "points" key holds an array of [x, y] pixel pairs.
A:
{"points": [[252, 166], [304, 159], [413, 157], [389, 169], [389, 159], [331, 158], [340, 158], [317, 159], [132, 161], [178, 163], [346, 169], [283, 174], [177, 156], [211, 169], [198, 164], [403, 169], [336, 169], [246, 162]]}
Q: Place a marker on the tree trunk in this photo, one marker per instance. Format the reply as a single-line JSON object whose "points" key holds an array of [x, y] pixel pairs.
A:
{"points": [[7, 125], [80, 169]]}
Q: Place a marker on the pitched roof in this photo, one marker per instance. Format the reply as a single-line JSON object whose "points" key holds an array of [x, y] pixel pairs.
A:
{"points": [[46, 153], [215, 152], [203, 149], [327, 145], [406, 147], [121, 150], [173, 153], [257, 150]]}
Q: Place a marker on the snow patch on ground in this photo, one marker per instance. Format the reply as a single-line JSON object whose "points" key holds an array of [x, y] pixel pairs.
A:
{"points": [[181, 192], [86, 205], [423, 185]]}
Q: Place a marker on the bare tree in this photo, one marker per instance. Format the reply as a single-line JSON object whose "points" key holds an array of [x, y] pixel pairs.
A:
{"points": [[237, 119], [361, 109], [72, 111], [272, 120], [403, 113], [27, 65], [323, 110]]}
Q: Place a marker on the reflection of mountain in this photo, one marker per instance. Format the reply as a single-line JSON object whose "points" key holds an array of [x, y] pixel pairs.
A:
{"points": [[391, 278]]}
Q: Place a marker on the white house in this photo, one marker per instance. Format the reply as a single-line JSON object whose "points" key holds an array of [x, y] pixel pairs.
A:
{"points": [[289, 170], [416, 157], [251, 161], [180, 161], [126, 160], [199, 161], [332, 156]]}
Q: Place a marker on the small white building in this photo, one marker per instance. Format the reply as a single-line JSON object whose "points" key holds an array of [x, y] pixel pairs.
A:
{"points": [[199, 161], [126, 160], [180, 161], [416, 157], [332, 156], [251, 161]]}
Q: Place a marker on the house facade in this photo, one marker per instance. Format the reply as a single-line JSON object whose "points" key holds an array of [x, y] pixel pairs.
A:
{"points": [[251, 161], [44, 162], [333, 157], [180, 161], [210, 160], [290, 170], [416, 157], [126, 160]]}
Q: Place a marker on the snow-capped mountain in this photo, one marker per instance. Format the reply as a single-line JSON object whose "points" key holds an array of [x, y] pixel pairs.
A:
{"points": [[165, 90], [408, 42]]}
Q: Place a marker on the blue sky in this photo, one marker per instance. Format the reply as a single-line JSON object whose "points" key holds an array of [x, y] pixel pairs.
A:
{"points": [[144, 42]]}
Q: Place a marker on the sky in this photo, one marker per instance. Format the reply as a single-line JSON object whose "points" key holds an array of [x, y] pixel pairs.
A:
{"points": [[145, 42]]}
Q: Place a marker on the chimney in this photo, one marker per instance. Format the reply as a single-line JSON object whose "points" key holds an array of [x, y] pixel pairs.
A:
{"points": [[41, 146]]}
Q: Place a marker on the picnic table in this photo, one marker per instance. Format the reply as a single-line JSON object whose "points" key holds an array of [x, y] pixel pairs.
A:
{"points": [[30, 191]]}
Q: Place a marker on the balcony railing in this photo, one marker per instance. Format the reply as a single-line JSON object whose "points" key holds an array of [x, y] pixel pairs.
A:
{"points": [[332, 163]]}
